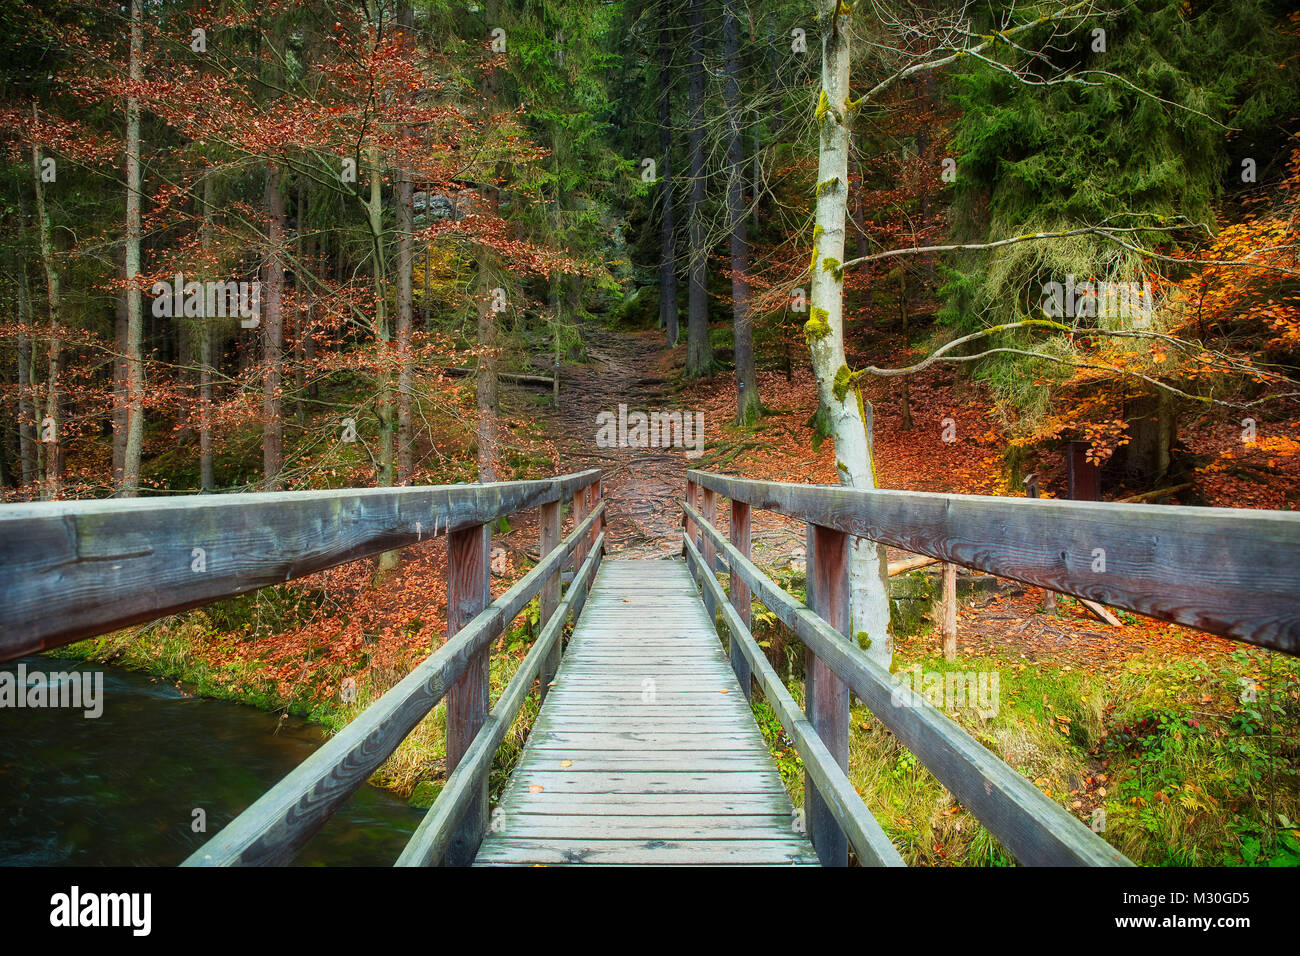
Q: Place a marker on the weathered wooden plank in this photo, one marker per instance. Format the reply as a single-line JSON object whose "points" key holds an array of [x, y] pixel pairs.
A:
{"points": [[577, 708], [1049, 596], [708, 508], [750, 827], [712, 724], [497, 851], [624, 684], [698, 665], [659, 710], [615, 761], [836, 792], [1037, 831], [656, 740], [826, 697], [580, 512], [622, 662], [619, 656], [631, 684], [648, 781], [549, 598], [594, 497], [279, 822], [468, 592], [634, 721], [948, 612], [1229, 571], [739, 532], [692, 495], [657, 804], [112, 563]]}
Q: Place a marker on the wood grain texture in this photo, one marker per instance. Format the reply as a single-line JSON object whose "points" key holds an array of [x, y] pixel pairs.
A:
{"points": [[826, 696], [1233, 572], [644, 750], [1034, 829], [549, 518], [708, 508], [275, 827], [468, 592], [948, 612], [579, 513], [434, 839], [692, 497], [1049, 596], [739, 533], [74, 569], [838, 795]]}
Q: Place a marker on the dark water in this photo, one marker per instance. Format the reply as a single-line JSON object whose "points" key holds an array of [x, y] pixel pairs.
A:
{"points": [[121, 789]]}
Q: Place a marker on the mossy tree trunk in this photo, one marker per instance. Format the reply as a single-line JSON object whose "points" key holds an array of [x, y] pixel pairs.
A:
{"points": [[847, 416]]}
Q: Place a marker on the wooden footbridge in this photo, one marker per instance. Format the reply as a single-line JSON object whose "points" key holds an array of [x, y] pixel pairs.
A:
{"points": [[644, 750]]}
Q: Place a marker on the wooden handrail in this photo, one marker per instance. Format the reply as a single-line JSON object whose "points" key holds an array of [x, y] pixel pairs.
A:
{"points": [[1034, 829], [108, 564], [275, 827], [431, 837], [1228, 571], [869, 840]]}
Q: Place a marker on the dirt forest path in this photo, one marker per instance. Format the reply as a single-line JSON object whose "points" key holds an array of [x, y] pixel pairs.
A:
{"points": [[641, 485]]}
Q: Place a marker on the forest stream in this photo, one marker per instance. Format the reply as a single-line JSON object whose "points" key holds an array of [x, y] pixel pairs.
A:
{"points": [[122, 789]]}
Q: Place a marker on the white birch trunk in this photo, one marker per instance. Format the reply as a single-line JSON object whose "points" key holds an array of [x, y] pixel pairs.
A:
{"points": [[848, 416]]}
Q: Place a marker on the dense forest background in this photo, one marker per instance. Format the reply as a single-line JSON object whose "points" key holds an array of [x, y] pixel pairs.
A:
{"points": [[460, 231], [434, 189]]}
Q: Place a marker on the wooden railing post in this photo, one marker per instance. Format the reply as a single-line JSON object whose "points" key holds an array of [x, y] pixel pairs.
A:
{"points": [[691, 499], [579, 512], [740, 598], [468, 593], [549, 597], [948, 624], [826, 696], [1049, 596], [594, 500], [709, 512]]}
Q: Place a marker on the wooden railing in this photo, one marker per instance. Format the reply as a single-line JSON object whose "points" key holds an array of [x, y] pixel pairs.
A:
{"points": [[1234, 573], [79, 568]]}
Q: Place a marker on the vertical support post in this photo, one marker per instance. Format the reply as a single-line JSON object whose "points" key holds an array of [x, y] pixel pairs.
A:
{"points": [[948, 624], [579, 512], [1049, 596], [549, 598], [594, 490], [689, 524], [468, 592], [740, 598], [826, 696], [709, 512]]}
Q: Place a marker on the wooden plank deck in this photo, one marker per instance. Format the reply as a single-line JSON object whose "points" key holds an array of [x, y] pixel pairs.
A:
{"points": [[645, 751]]}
